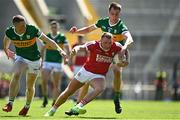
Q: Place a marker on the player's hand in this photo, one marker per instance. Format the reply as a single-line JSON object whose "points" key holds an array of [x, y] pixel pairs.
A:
{"points": [[73, 52], [123, 64], [66, 60], [73, 29], [10, 54], [70, 62], [64, 55]]}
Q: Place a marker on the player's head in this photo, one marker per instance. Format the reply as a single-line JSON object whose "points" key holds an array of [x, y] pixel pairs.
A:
{"points": [[54, 26], [19, 22], [106, 41], [114, 12], [80, 39]]}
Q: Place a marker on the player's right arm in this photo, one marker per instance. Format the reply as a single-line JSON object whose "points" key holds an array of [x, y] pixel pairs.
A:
{"points": [[76, 49], [83, 30], [6, 44], [86, 47]]}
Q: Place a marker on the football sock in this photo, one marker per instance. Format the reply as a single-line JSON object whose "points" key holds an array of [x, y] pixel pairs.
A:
{"points": [[82, 103], [53, 109], [45, 98], [116, 96], [27, 105], [11, 100]]}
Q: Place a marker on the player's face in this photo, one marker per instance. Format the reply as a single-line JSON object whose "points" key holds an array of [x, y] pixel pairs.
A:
{"points": [[114, 15], [54, 28], [81, 40], [106, 43], [21, 26]]}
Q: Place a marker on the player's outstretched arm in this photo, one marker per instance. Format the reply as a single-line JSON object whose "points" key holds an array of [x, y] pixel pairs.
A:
{"points": [[83, 30], [54, 45]]}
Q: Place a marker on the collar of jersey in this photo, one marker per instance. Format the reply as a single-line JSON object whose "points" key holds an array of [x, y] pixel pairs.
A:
{"points": [[17, 33], [103, 48], [55, 35], [113, 24]]}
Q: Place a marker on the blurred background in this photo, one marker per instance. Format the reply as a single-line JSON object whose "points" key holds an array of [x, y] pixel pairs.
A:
{"points": [[153, 73]]}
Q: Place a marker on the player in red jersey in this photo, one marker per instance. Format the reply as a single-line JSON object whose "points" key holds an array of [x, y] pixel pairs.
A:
{"points": [[101, 55]]}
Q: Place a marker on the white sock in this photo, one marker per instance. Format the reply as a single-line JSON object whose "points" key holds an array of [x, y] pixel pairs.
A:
{"points": [[53, 109], [80, 105]]}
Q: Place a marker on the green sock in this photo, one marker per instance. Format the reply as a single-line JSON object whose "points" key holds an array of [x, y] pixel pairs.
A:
{"points": [[45, 98], [116, 96]]}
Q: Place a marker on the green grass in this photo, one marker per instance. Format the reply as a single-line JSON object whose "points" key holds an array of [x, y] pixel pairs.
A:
{"points": [[100, 109]]}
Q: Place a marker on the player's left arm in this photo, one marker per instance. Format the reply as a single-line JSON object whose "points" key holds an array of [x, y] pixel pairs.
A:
{"points": [[53, 44], [128, 39], [123, 56]]}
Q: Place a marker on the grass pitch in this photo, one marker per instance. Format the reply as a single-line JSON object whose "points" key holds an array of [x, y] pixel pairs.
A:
{"points": [[98, 110]]}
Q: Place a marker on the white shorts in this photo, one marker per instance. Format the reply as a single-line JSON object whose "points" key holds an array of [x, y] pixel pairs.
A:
{"points": [[33, 66], [85, 76], [76, 69], [56, 67]]}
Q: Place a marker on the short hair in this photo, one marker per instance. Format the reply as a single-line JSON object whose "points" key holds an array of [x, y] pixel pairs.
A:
{"points": [[18, 18], [80, 36], [115, 5], [107, 35], [54, 23]]}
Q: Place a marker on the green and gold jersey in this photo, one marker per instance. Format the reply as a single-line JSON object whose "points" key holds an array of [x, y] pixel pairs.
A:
{"points": [[52, 55], [25, 44], [116, 30]]}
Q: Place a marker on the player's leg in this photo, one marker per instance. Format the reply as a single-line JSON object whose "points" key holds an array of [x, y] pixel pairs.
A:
{"points": [[56, 85], [19, 67], [30, 90], [45, 73], [117, 84], [71, 88], [98, 84], [31, 76], [83, 92]]}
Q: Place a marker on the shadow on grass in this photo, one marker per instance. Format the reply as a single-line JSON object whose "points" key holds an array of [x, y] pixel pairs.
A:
{"points": [[98, 118], [92, 117], [13, 116]]}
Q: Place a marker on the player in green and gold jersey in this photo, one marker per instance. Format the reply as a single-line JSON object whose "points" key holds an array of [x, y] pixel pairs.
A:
{"points": [[115, 26], [24, 36], [52, 64]]}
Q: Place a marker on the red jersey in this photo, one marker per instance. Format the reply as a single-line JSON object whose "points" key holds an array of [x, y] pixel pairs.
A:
{"points": [[99, 60], [81, 56]]}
